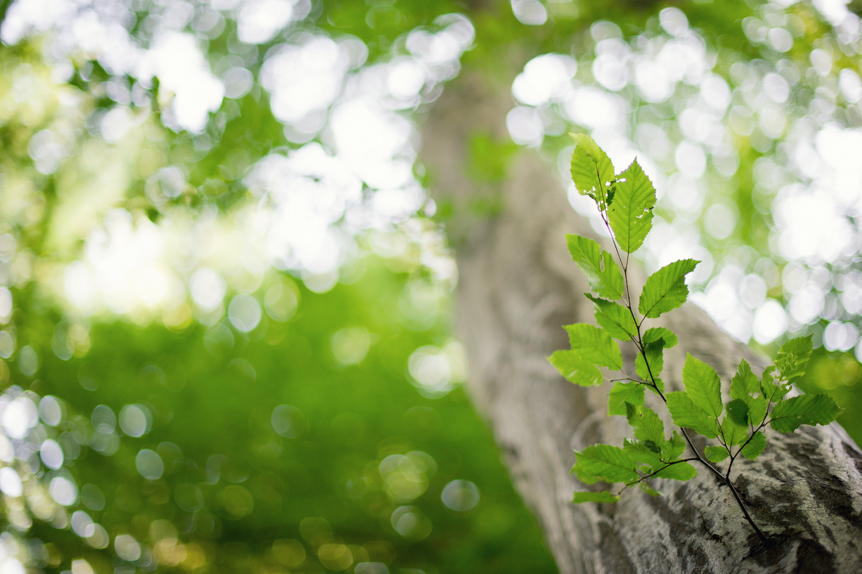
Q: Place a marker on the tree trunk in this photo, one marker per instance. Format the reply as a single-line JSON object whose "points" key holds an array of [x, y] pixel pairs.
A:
{"points": [[517, 286]]}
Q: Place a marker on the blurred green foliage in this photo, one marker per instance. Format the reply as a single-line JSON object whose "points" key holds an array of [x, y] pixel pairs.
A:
{"points": [[357, 443]]}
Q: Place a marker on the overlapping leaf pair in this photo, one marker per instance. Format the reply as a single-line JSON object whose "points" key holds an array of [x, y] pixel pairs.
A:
{"points": [[625, 202]]}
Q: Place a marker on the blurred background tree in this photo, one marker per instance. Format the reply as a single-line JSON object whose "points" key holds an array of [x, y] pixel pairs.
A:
{"points": [[226, 340]]}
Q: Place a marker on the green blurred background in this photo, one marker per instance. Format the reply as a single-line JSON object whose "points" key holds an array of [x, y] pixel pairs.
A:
{"points": [[225, 293]]}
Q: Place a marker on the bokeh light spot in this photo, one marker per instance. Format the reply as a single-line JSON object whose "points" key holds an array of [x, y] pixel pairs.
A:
{"points": [[411, 523], [149, 464], [350, 345], [135, 420], [460, 495], [244, 313], [289, 422]]}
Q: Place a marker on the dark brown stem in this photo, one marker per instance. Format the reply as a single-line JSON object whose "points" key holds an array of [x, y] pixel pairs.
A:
{"points": [[745, 509]]}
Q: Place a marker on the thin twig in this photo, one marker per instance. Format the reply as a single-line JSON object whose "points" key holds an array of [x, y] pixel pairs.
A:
{"points": [[655, 472]]}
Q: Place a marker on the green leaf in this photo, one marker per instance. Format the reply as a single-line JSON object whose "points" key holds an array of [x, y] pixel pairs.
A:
{"points": [[793, 357], [641, 452], [734, 428], [630, 215], [772, 392], [655, 359], [768, 375], [655, 341], [789, 415], [665, 289], [737, 410], [715, 453], [780, 391], [744, 382], [656, 334], [599, 266], [754, 446], [622, 393], [585, 176], [603, 496], [575, 369], [702, 386], [678, 471], [594, 345], [672, 449], [604, 462], [592, 169], [647, 427], [616, 319], [646, 488], [733, 433], [743, 386], [757, 409], [687, 414]]}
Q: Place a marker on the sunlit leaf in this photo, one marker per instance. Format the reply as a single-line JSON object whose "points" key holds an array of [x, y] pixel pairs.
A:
{"points": [[575, 369], [744, 382], [604, 462], [656, 334], [688, 415], [647, 426], [733, 433], [672, 449], [616, 319], [792, 357], [757, 408], [595, 345], [642, 453], [754, 446], [703, 386], [771, 390], [715, 453], [665, 289], [744, 386], [678, 471], [602, 271], [622, 393], [650, 367], [630, 214], [789, 415], [646, 488], [592, 169]]}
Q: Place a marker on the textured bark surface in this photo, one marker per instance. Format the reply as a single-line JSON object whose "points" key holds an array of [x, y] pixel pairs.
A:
{"points": [[517, 286]]}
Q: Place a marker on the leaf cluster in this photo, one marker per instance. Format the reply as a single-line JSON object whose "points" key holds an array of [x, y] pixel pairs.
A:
{"points": [[736, 427]]}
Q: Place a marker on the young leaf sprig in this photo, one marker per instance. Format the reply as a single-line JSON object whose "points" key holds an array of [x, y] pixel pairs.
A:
{"points": [[625, 202]]}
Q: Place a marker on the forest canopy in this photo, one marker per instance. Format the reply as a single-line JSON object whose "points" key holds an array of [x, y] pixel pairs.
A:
{"points": [[225, 289]]}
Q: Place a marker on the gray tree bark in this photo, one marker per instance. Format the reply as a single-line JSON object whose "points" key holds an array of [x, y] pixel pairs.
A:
{"points": [[517, 287]]}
